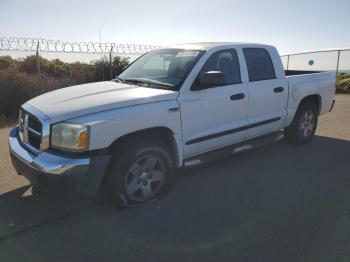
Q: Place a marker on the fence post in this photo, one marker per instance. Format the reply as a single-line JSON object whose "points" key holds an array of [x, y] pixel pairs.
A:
{"points": [[336, 71], [37, 59], [103, 69], [110, 63]]}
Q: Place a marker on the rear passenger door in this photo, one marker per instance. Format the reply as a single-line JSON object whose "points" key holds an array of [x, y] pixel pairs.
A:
{"points": [[267, 90]]}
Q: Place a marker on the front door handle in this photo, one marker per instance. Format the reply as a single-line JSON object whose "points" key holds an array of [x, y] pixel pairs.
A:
{"points": [[238, 96], [278, 89]]}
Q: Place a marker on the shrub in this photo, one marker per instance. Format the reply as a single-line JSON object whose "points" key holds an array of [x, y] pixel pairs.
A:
{"points": [[20, 81], [16, 88], [343, 83], [29, 64], [103, 68], [53, 68], [82, 73], [56, 68], [7, 62]]}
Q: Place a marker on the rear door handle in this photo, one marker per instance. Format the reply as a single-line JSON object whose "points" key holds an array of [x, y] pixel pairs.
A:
{"points": [[278, 89], [238, 96]]}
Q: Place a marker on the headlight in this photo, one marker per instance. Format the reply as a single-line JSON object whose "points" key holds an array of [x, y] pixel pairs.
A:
{"points": [[70, 137]]}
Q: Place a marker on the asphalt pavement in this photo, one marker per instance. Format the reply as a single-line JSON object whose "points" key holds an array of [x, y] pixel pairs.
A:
{"points": [[274, 203]]}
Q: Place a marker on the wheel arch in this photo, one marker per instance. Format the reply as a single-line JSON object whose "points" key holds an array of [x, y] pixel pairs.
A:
{"points": [[315, 99], [164, 133]]}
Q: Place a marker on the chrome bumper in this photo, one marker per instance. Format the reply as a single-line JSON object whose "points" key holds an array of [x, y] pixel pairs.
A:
{"points": [[86, 170]]}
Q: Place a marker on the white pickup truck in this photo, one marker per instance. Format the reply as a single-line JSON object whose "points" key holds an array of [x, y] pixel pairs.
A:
{"points": [[179, 106]]}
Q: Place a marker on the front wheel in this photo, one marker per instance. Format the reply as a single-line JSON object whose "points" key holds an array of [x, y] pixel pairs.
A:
{"points": [[140, 172], [303, 127]]}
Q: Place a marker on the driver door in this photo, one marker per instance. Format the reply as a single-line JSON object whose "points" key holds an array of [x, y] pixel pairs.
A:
{"points": [[212, 116]]}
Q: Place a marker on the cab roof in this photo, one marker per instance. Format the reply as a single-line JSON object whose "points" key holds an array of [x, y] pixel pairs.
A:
{"points": [[208, 45]]}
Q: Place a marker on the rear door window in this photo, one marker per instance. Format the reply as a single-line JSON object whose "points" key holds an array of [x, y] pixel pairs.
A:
{"points": [[259, 64]]}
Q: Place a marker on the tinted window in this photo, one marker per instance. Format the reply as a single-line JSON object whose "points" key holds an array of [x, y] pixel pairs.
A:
{"points": [[225, 61], [259, 64]]}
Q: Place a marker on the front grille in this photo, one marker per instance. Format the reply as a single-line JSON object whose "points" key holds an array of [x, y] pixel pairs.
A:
{"points": [[30, 130], [34, 124], [34, 140]]}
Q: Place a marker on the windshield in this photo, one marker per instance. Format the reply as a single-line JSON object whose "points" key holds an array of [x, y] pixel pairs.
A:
{"points": [[165, 68]]}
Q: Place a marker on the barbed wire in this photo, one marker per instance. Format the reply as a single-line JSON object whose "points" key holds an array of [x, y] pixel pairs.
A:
{"points": [[49, 45]]}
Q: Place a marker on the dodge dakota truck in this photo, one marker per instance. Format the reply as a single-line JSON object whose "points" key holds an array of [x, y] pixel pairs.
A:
{"points": [[173, 107]]}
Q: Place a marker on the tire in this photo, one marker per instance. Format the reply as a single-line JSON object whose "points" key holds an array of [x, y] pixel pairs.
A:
{"points": [[140, 172], [302, 129]]}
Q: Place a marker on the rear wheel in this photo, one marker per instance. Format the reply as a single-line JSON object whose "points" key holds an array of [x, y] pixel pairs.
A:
{"points": [[302, 129], [140, 172]]}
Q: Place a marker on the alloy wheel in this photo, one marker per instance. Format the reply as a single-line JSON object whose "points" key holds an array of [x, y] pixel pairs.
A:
{"points": [[307, 122], [145, 178]]}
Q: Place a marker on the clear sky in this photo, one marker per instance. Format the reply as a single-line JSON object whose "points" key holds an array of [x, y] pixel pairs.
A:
{"points": [[292, 26]]}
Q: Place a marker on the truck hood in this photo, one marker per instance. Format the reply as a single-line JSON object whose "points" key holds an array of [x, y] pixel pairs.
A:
{"points": [[79, 100]]}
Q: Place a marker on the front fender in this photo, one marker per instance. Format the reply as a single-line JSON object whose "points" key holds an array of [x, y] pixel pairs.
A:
{"points": [[109, 125]]}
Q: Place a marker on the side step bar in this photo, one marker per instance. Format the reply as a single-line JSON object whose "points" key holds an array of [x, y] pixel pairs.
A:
{"points": [[234, 149]]}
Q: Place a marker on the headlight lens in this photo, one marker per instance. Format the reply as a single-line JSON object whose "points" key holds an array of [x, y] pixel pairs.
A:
{"points": [[70, 137]]}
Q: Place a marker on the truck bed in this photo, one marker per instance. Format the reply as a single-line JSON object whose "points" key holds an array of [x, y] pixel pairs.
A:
{"points": [[304, 83]]}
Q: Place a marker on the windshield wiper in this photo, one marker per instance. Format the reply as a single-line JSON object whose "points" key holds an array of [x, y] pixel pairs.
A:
{"points": [[135, 81], [144, 83]]}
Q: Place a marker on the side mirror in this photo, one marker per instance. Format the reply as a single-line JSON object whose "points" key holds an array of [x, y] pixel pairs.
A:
{"points": [[209, 79]]}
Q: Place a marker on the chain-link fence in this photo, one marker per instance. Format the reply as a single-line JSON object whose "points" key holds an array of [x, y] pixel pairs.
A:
{"points": [[331, 60], [91, 52], [31, 66], [100, 55]]}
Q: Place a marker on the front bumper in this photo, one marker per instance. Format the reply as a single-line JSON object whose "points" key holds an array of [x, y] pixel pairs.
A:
{"points": [[71, 174]]}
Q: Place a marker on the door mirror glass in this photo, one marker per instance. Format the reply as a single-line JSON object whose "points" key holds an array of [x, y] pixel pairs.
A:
{"points": [[210, 79]]}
